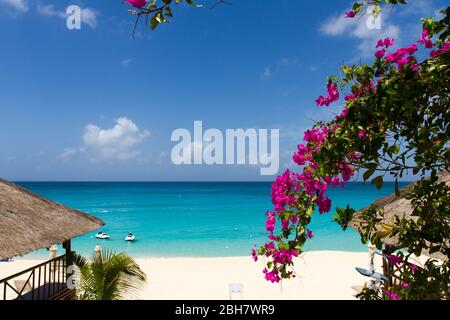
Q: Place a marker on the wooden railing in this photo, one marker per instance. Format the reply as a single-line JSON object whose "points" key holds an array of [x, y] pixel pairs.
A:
{"points": [[44, 281]]}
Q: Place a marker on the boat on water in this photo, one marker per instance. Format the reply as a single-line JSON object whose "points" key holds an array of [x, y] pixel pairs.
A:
{"points": [[130, 237], [102, 235]]}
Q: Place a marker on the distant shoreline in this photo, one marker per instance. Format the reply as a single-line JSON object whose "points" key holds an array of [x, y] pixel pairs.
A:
{"points": [[43, 256]]}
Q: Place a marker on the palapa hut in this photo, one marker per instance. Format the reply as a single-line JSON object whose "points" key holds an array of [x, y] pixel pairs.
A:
{"points": [[30, 222], [397, 206]]}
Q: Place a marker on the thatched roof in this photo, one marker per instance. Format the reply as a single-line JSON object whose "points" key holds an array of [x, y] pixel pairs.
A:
{"points": [[398, 206], [29, 222]]}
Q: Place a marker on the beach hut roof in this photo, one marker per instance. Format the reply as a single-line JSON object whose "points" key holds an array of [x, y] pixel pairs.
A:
{"points": [[397, 206], [29, 222]]}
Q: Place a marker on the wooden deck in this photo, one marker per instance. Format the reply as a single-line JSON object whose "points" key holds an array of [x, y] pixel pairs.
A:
{"points": [[45, 281]]}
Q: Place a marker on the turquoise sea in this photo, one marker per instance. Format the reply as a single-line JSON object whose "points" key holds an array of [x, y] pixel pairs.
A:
{"points": [[194, 218]]}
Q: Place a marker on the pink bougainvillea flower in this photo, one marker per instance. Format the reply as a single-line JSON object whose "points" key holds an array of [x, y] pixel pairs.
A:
{"points": [[392, 295], [272, 276], [333, 96], [355, 156], [380, 44], [309, 234], [333, 93], [380, 53], [402, 57], [137, 3], [414, 268], [316, 135], [344, 113], [394, 259], [411, 49], [350, 14], [323, 203], [301, 156], [362, 134], [441, 51], [388, 42], [269, 246], [347, 171], [404, 61], [322, 101], [254, 255], [425, 39], [335, 182], [405, 285], [349, 97], [270, 222]]}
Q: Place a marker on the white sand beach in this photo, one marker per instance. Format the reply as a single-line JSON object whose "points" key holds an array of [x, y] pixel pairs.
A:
{"points": [[321, 275]]}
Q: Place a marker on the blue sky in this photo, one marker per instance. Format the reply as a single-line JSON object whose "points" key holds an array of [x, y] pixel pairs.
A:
{"points": [[252, 64]]}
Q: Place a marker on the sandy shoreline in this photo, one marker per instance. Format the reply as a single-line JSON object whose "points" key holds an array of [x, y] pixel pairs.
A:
{"points": [[321, 275]]}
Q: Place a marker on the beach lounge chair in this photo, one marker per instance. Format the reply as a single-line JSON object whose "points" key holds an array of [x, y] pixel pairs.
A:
{"points": [[359, 289], [23, 286], [236, 288]]}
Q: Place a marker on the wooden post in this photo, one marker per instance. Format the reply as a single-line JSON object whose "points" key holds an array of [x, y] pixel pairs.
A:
{"points": [[388, 268], [67, 245]]}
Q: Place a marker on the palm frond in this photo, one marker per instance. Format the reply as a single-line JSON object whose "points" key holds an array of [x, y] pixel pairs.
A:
{"points": [[110, 276]]}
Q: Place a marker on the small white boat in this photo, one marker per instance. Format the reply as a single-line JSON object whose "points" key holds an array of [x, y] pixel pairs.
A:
{"points": [[102, 235], [130, 237]]}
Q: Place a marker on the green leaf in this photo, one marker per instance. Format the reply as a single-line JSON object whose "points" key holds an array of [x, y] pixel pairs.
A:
{"points": [[378, 182], [396, 187], [371, 167], [153, 23]]}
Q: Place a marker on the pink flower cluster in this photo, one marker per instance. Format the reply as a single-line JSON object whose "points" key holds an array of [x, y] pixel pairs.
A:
{"points": [[333, 96], [362, 134], [317, 135], [403, 56], [428, 43], [137, 3], [254, 255], [302, 155], [445, 47], [383, 44], [281, 193], [392, 295], [347, 171], [295, 194], [272, 276], [270, 222], [360, 91], [350, 14], [426, 39], [284, 256]]}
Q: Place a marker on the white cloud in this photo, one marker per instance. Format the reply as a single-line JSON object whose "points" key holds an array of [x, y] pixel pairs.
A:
{"points": [[126, 62], [287, 62], [266, 73], [50, 11], [18, 5], [88, 16], [357, 28], [67, 154], [115, 143]]}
